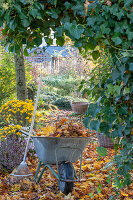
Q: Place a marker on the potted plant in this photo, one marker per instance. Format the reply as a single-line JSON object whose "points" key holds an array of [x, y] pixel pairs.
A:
{"points": [[79, 107]]}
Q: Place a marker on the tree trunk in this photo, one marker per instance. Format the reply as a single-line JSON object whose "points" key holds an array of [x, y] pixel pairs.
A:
{"points": [[20, 77]]}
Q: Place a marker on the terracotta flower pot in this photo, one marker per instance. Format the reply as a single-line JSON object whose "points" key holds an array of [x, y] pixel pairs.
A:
{"points": [[79, 107]]}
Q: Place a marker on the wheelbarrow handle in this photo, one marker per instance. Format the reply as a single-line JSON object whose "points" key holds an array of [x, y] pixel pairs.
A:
{"points": [[24, 132]]}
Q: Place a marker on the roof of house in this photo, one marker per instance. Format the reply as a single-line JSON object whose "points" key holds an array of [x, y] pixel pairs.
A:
{"points": [[56, 51]]}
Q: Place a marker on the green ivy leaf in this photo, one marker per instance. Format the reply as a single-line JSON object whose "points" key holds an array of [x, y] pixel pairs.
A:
{"points": [[130, 16], [93, 109], [22, 15], [21, 29], [127, 54], [101, 151], [76, 31], [78, 8], [53, 2], [117, 132], [131, 88], [89, 33], [119, 28], [42, 6], [104, 127], [13, 24], [120, 14], [110, 88], [131, 66], [108, 108], [67, 5], [86, 122], [18, 7], [117, 40], [91, 21], [1, 22], [91, 6], [130, 34], [117, 90], [115, 74], [38, 5], [126, 78], [52, 13], [23, 2], [126, 91], [25, 22], [122, 70], [106, 42], [59, 32], [123, 110], [105, 29], [34, 12], [94, 125], [7, 17], [131, 117], [114, 9], [127, 132], [110, 117]]}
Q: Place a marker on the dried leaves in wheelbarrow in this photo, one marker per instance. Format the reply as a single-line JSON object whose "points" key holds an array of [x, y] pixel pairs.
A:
{"points": [[64, 128]]}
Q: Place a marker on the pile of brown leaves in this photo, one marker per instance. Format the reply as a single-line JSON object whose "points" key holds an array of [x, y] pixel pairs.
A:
{"points": [[64, 128]]}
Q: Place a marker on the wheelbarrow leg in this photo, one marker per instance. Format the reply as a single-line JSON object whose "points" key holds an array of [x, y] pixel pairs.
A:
{"points": [[40, 176], [37, 171], [75, 175]]}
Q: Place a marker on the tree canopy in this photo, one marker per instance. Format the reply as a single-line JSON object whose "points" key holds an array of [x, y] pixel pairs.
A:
{"points": [[88, 23]]}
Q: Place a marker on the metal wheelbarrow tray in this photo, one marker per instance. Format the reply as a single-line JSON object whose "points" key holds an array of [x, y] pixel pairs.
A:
{"points": [[62, 152], [52, 149]]}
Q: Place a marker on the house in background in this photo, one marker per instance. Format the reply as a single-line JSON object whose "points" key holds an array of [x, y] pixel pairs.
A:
{"points": [[53, 57]]}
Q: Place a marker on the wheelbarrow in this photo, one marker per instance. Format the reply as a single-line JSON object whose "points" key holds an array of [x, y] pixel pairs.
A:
{"points": [[62, 152]]}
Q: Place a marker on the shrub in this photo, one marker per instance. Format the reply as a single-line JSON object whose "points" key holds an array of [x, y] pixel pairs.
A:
{"points": [[63, 85], [63, 103], [17, 112], [14, 114], [12, 149]]}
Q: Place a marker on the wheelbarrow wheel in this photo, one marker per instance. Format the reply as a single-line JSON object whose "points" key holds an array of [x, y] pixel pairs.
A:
{"points": [[66, 171]]}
